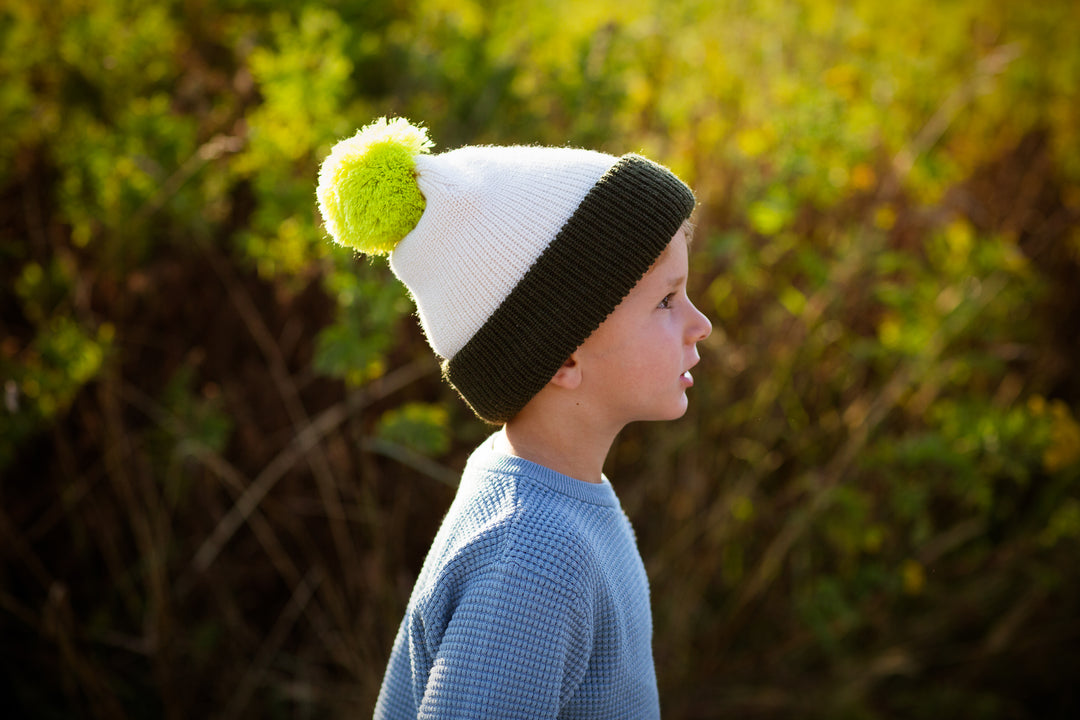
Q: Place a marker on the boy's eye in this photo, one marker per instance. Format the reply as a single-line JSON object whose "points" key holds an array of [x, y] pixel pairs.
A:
{"points": [[665, 304]]}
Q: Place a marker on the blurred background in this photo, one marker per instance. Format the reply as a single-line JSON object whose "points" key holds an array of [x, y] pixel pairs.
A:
{"points": [[225, 447]]}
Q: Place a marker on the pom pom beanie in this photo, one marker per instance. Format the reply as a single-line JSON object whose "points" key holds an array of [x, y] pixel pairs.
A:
{"points": [[513, 255]]}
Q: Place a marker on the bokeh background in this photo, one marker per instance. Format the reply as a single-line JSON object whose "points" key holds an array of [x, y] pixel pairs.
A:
{"points": [[225, 448]]}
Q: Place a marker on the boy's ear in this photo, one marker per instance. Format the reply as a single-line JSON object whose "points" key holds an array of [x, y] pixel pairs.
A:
{"points": [[568, 377]]}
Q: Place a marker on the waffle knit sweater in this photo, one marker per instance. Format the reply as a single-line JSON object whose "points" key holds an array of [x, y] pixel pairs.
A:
{"points": [[532, 603]]}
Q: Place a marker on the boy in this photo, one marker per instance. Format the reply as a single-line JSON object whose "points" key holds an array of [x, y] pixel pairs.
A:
{"points": [[553, 283]]}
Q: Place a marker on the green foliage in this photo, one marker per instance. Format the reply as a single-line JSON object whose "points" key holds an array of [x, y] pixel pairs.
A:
{"points": [[872, 510], [43, 377], [370, 305], [41, 381], [422, 427]]}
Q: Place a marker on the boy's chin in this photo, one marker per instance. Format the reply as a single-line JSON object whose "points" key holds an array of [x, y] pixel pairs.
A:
{"points": [[681, 407], [673, 413]]}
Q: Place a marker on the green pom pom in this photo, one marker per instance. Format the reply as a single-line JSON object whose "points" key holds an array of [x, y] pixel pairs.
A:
{"points": [[367, 190]]}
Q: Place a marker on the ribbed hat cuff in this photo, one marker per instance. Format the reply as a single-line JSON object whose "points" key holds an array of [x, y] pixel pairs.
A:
{"points": [[612, 239]]}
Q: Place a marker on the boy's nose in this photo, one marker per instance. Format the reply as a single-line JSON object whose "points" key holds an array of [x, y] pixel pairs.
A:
{"points": [[700, 327]]}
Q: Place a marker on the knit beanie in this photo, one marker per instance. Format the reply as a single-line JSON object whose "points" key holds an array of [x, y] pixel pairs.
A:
{"points": [[513, 255]]}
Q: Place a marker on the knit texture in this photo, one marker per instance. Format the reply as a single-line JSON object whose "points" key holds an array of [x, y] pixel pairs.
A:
{"points": [[614, 235], [532, 603], [491, 211]]}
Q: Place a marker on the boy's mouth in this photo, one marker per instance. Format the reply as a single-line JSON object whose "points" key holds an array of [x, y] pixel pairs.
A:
{"points": [[687, 379]]}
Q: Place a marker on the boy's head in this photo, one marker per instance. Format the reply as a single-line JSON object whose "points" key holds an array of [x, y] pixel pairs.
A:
{"points": [[636, 365], [513, 255]]}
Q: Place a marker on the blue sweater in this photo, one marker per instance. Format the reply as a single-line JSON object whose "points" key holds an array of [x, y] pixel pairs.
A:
{"points": [[532, 603]]}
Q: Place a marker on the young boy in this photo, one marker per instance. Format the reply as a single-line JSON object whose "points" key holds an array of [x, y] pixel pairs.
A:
{"points": [[553, 283]]}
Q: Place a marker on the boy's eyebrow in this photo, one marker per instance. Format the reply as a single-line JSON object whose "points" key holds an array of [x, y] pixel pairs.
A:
{"points": [[677, 281]]}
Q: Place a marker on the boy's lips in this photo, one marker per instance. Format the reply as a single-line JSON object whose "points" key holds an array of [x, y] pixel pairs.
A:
{"points": [[686, 377]]}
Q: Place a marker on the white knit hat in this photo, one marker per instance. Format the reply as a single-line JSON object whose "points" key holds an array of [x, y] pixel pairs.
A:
{"points": [[513, 255]]}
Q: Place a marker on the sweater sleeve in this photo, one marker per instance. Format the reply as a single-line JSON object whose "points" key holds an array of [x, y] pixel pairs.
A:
{"points": [[516, 645]]}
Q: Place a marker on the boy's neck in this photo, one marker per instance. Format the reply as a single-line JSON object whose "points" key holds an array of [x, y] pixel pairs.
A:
{"points": [[573, 449]]}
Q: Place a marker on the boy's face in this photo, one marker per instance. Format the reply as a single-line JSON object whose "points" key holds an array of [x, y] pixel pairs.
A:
{"points": [[636, 365]]}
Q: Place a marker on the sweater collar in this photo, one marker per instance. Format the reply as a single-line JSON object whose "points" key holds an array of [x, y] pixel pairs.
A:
{"points": [[487, 459]]}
